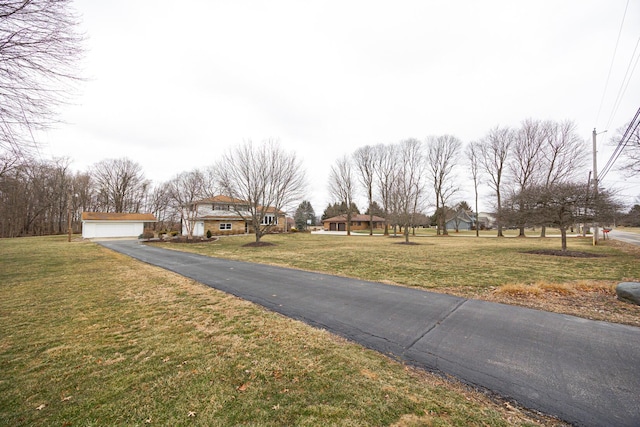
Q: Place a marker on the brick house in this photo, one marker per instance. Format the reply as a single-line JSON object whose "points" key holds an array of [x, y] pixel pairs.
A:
{"points": [[223, 215], [358, 222]]}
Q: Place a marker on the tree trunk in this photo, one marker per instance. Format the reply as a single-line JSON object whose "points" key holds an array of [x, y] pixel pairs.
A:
{"points": [[521, 234], [563, 232], [543, 231]]}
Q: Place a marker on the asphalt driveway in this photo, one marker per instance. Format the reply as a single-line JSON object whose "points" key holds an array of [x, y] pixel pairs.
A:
{"points": [[585, 372]]}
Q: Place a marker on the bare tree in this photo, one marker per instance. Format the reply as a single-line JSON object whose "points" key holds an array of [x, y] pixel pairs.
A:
{"points": [[342, 186], [629, 136], [525, 156], [365, 160], [562, 155], [385, 175], [494, 149], [560, 205], [473, 155], [39, 47], [409, 183], [120, 185], [442, 155], [266, 178], [184, 191]]}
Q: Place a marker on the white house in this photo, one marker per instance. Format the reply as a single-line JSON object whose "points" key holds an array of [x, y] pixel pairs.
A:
{"points": [[109, 224]]}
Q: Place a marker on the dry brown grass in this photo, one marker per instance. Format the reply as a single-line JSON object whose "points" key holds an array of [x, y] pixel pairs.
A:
{"points": [[91, 337]]}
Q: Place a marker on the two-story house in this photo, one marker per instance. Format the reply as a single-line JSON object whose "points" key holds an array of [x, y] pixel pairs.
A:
{"points": [[223, 215]]}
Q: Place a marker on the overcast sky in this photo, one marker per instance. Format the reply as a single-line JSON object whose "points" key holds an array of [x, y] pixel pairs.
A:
{"points": [[172, 85]]}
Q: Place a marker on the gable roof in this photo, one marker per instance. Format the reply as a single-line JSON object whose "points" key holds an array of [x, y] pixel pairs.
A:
{"points": [[462, 216], [363, 218], [118, 216], [222, 199], [233, 201]]}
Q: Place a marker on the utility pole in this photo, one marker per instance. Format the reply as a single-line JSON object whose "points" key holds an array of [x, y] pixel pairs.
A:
{"points": [[595, 187]]}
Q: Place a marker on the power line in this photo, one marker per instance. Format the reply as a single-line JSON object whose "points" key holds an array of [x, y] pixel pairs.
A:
{"points": [[633, 126], [612, 61], [624, 84]]}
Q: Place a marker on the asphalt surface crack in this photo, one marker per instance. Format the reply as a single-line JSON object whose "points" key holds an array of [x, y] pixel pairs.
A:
{"points": [[435, 325]]}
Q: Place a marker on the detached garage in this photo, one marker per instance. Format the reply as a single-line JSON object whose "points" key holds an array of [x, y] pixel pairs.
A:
{"points": [[103, 224]]}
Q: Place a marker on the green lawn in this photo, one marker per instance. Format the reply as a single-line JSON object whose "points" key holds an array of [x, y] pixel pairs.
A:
{"points": [[90, 337]]}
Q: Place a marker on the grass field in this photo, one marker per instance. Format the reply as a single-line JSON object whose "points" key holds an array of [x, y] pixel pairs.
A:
{"points": [[90, 337]]}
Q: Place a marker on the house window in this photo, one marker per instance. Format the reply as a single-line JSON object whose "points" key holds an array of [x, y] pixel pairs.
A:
{"points": [[269, 220], [225, 226]]}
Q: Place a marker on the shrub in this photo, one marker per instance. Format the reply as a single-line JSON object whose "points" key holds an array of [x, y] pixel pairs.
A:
{"points": [[208, 234], [148, 234]]}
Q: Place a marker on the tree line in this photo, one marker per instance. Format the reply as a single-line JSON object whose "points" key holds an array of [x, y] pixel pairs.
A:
{"points": [[526, 169]]}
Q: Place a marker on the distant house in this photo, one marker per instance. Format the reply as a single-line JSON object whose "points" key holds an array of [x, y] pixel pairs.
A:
{"points": [[460, 221], [109, 224], [223, 215], [358, 222], [486, 220]]}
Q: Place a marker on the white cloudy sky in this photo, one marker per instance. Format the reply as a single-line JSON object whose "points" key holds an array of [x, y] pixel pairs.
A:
{"points": [[171, 85]]}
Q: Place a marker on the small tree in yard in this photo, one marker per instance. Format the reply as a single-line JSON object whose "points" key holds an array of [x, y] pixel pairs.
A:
{"points": [[184, 191], [342, 186], [562, 205], [265, 178]]}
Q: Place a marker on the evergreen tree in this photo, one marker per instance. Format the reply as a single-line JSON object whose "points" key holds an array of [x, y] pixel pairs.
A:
{"points": [[305, 215], [376, 209]]}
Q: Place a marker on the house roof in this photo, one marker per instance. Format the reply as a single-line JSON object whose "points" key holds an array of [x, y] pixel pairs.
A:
{"points": [[233, 201], [461, 215], [118, 216], [343, 218], [222, 199]]}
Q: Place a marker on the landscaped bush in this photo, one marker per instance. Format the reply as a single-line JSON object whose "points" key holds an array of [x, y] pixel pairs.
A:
{"points": [[148, 234], [208, 234]]}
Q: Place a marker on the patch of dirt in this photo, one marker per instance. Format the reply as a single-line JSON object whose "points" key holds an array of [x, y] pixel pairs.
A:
{"points": [[258, 244], [406, 243], [572, 254]]}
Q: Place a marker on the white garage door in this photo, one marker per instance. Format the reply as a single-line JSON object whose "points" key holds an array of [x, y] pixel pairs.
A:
{"points": [[111, 229]]}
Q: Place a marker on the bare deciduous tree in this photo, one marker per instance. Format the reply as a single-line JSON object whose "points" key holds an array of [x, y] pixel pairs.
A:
{"points": [[562, 155], [384, 170], [494, 149], [39, 47], [409, 183], [365, 160], [442, 155], [184, 191], [631, 150], [120, 185], [473, 154], [342, 186], [562, 205], [266, 178], [526, 158]]}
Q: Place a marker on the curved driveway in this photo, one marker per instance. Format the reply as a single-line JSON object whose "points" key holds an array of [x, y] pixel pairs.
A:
{"points": [[583, 371]]}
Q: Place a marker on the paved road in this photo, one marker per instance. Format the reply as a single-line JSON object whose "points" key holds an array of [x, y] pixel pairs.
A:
{"points": [[625, 236], [583, 371]]}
